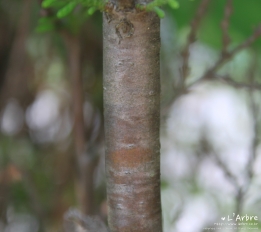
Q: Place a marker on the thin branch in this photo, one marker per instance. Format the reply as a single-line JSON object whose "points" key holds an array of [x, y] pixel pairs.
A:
{"points": [[206, 148], [202, 9], [254, 113], [251, 86], [228, 80], [225, 25], [255, 140], [253, 150], [240, 193], [224, 58], [239, 202], [229, 55], [230, 176]]}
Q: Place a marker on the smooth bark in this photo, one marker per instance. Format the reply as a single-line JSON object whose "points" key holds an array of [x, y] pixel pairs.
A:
{"points": [[132, 117]]}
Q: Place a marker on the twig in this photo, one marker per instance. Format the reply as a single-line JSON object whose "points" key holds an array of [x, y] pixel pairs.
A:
{"points": [[254, 144], [240, 191], [202, 9], [251, 86], [254, 113], [225, 25], [229, 55], [208, 149], [230, 176], [239, 202], [255, 141], [209, 74], [228, 80]]}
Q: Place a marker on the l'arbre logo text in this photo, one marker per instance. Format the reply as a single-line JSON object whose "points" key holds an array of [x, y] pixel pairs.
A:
{"points": [[239, 218], [235, 222]]}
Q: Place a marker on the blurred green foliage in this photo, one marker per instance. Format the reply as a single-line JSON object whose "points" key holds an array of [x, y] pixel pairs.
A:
{"points": [[244, 20], [72, 14]]}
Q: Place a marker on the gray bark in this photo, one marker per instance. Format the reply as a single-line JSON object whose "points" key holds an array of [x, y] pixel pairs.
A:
{"points": [[132, 117]]}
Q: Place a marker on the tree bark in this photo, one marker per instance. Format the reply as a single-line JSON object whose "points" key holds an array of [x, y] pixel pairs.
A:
{"points": [[132, 117]]}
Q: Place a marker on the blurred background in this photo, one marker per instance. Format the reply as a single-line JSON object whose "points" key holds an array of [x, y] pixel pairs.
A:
{"points": [[51, 115]]}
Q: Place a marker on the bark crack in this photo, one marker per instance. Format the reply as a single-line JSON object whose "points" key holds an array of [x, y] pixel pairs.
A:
{"points": [[123, 26], [124, 29]]}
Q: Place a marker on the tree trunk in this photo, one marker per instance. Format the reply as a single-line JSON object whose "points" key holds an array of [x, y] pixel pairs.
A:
{"points": [[132, 117]]}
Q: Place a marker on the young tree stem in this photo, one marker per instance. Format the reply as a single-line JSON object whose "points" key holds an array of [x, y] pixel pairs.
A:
{"points": [[132, 118]]}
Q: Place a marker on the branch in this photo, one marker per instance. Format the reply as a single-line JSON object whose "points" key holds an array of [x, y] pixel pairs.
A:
{"points": [[230, 176], [202, 9], [254, 113], [253, 150], [225, 25], [228, 80], [229, 55], [209, 74], [240, 191], [254, 144]]}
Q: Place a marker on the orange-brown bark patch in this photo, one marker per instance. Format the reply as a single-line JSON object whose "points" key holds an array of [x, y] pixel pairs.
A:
{"points": [[131, 158]]}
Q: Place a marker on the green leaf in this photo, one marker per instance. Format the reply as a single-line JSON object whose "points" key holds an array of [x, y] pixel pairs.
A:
{"points": [[91, 10], [47, 3], [66, 10], [173, 4], [45, 25], [159, 12]]}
